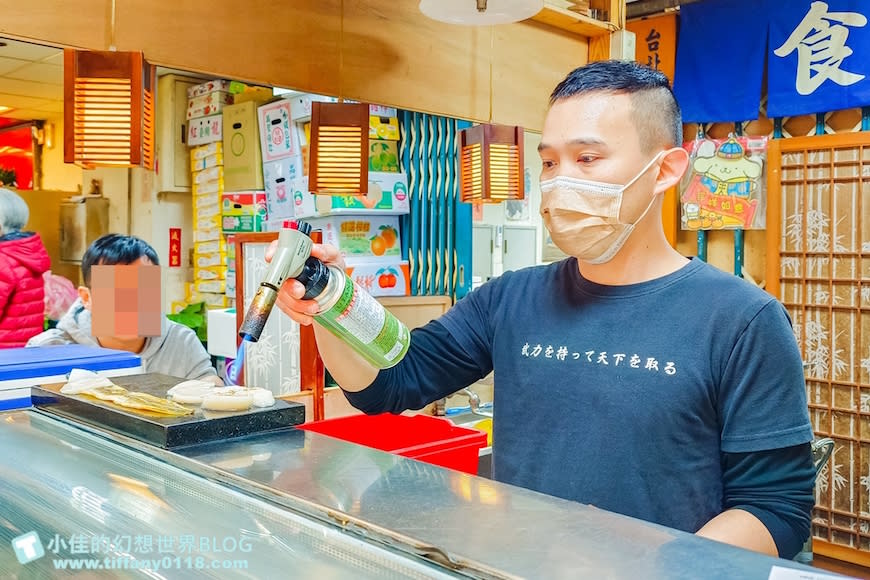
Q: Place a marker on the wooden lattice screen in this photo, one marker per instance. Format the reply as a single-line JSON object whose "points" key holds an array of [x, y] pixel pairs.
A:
{"points": [[818, 264]]}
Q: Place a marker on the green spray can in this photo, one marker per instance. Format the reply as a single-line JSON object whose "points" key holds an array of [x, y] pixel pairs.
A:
{"points": [[353, 315], [346, 309]]}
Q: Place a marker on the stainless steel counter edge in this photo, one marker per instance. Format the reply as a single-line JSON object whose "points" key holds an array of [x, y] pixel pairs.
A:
{"points": [[469, 525]]}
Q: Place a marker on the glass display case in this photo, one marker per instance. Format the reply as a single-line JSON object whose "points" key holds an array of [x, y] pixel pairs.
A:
{"points": [[95, 505], [294, 503]]}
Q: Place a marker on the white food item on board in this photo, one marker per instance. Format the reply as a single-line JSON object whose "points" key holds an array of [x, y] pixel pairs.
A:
{"points": [[262, 397], [237, 398], [214, 398], [81, 380], [191, 392], [228, 399]]}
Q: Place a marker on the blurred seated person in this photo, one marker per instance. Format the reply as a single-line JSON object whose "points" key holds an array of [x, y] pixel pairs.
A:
{"points": [[23, 261], [119, 307]]}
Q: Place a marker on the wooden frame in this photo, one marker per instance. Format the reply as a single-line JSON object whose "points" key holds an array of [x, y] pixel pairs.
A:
{"points": [[312, 374], [810, 293], [835, 552], [776, 147]]}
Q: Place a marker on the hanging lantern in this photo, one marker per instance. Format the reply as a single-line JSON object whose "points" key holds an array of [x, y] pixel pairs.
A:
{"points": [[339, 163], [491, 164], [108, 109]]}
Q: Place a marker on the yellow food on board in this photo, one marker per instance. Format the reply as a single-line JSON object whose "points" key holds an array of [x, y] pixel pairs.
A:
{"points": [[82, 382]]}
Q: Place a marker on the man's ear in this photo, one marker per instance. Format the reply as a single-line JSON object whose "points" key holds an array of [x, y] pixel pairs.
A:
{"points": [[674, 164], [85, 295]]}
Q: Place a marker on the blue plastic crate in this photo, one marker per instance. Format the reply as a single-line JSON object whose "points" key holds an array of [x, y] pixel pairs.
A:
{"points": [[21, 368]]}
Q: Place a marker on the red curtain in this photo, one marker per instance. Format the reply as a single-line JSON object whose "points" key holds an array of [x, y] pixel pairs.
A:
{"points": [[16, 153]]}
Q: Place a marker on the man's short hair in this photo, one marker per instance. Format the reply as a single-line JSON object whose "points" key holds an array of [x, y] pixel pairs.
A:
{"points": [[113, 249], [656, 113]]}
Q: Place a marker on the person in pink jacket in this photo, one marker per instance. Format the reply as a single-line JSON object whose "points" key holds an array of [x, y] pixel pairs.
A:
{"points": [[23, 261]]}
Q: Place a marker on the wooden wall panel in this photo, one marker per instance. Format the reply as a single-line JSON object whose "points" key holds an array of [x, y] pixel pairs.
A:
{"points": [[529, 61], [390, 54], [73, 23], [288, 44], [599, 48], [720, 250], [396, 56]]}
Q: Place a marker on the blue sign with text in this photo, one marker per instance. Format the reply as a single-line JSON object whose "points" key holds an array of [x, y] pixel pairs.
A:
{"points": [[817, 59], [816, 53]]}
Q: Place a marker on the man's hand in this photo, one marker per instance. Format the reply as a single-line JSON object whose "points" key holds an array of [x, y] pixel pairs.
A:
{"points": [[740, 528], [347, 367], [291, 292]]}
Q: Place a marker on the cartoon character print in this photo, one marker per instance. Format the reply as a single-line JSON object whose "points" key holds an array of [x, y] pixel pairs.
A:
{"points": [[723, 190]]}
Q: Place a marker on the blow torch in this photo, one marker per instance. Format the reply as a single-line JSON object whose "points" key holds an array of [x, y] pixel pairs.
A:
{"points": [[293, 251]]}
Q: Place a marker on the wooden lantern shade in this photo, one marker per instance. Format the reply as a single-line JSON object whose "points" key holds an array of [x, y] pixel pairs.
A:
{"points": [[108, 109], [491, 164], [339, 162]]}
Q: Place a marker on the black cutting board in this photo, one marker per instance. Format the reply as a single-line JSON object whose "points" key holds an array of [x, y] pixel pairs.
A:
{"points": [[168, 432]]}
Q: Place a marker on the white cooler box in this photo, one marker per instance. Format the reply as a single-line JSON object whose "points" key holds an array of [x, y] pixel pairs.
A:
{"points": [[22, 368]]}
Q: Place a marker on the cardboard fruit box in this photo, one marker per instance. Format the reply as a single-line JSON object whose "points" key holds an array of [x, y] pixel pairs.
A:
{"points": [[202, 151], [243, 159], [374, 237], [209, 260], [244, 203], [218, 246], [277, 134], [209, 104], [205, 130], [208, 87], [383, 128], [241, 224], [388, 194], [383, 156], [244, 212], [280, 177]]}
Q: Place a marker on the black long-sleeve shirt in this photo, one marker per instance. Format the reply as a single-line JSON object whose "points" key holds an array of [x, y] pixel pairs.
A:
{"points": [[657, 418]]}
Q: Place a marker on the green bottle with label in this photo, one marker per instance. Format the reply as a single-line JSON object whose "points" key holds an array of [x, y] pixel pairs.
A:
{"points": [[353, 315]]}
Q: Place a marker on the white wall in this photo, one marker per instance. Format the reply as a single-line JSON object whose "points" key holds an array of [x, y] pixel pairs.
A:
{"points": [[495, 214], [115, 187], [57, 175], [154, 213]]}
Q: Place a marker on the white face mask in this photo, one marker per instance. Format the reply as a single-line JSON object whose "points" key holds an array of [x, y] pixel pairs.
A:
{"points": [[583, 216]]}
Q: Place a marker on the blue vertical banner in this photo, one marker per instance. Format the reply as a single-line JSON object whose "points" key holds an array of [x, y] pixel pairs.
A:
{"points": [[818, 56], [720, 59]]}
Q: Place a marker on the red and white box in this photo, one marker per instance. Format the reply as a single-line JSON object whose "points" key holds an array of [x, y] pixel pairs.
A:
{"points": [[279, 177], [380, 278], [208, 87], [277, 135], [210, 104], [205, 130]]}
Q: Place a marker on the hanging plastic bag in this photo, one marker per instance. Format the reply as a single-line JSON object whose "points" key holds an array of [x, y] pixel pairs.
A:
{"points": [[59, 295]]}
